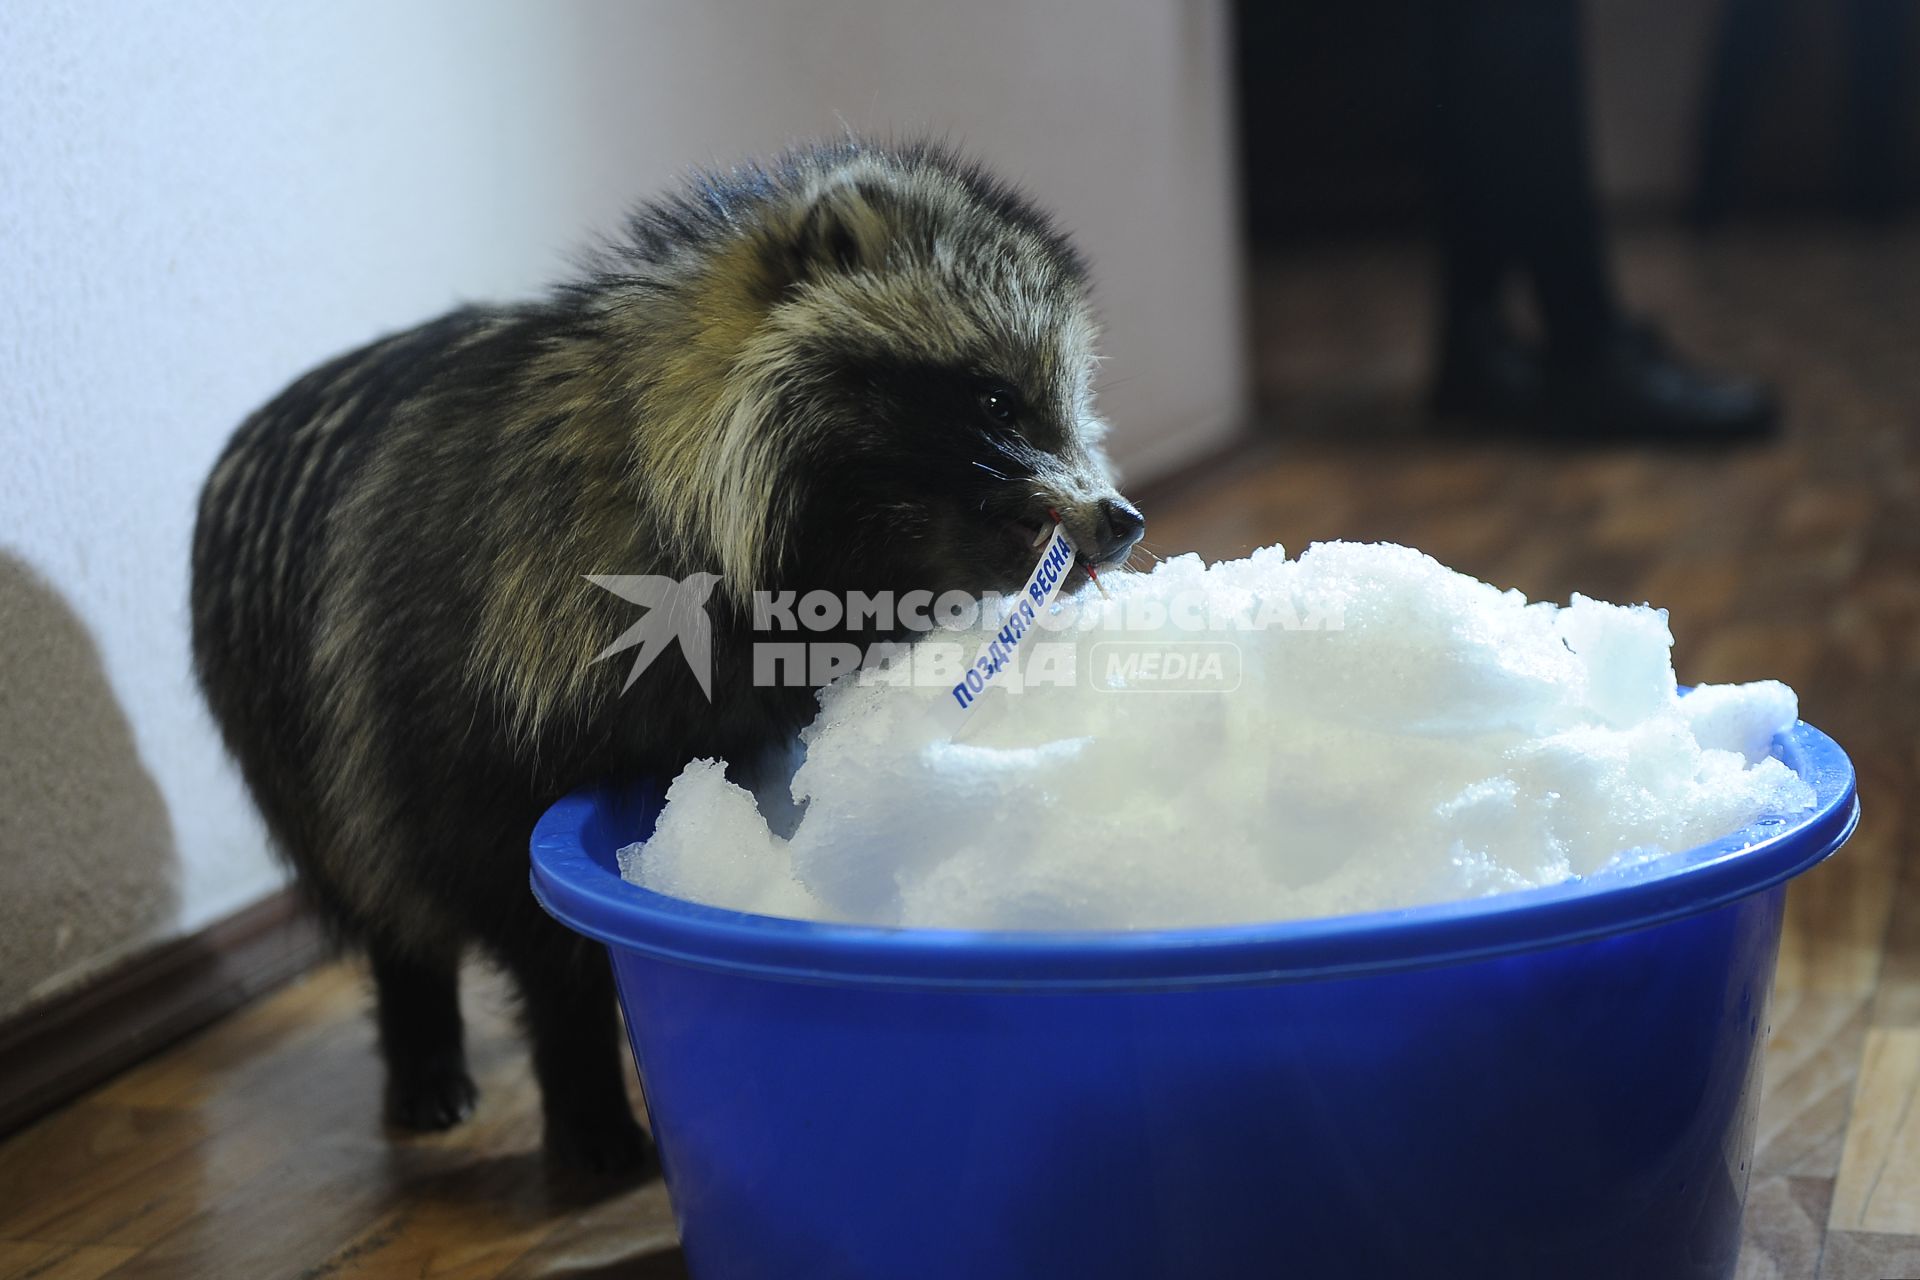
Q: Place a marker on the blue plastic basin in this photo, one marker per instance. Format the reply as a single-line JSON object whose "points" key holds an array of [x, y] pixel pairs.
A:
{"points": [[1554, 1083]]}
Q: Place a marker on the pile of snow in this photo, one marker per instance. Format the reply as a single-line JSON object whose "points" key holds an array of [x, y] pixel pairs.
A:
{"points": [[1356, 729]]}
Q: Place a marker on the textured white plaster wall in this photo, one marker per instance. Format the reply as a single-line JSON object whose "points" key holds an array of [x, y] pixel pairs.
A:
{"points": [[198, 202]]}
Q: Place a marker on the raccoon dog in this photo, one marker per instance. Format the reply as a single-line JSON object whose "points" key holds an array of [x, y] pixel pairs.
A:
{"points": [[858, 367]]}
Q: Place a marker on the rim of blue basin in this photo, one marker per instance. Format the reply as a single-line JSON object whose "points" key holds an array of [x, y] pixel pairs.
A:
{"points": [[590, 897]]}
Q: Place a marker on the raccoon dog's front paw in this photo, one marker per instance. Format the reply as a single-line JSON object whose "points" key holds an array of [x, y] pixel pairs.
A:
{"points": [[427, 1099], [611, 1145]]}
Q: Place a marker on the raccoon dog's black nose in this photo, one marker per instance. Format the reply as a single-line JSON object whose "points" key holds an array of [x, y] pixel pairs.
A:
{"points": [[1117, 529]]}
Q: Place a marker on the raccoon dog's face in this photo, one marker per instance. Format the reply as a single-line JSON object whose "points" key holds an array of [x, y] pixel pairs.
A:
{"points": [[924, 385]]}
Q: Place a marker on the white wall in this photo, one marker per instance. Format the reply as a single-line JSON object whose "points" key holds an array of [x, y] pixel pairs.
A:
{"points": [[198, 202], [1114, 112]]}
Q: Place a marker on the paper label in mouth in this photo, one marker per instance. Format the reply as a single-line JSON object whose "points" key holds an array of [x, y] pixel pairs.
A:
{"points": [[1000, 653]]}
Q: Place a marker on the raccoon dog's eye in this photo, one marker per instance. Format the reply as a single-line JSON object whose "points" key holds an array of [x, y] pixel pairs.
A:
{"points": [[1001, 404]]}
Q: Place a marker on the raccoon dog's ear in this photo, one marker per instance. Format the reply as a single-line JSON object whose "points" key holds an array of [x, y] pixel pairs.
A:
{"points": [[844, 227]]}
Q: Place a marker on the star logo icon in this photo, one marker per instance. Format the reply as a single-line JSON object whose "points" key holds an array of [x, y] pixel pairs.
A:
{"points": [[676, 610]]}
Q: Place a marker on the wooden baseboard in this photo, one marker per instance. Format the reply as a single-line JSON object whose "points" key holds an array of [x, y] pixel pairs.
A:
{"points": [[57, 1050]]}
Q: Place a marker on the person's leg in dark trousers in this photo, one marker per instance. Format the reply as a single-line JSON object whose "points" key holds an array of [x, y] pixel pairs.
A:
{"points": [[1879, 67], [1516, 196], [1513, 168], [1746, 54]]}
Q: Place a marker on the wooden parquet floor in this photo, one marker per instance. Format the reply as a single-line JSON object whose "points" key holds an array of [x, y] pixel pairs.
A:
{"points": [[254, 1151]]}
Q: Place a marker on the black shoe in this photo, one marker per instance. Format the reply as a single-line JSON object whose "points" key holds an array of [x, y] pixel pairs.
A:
{"points": [[1628, 387], [1633, 387]]}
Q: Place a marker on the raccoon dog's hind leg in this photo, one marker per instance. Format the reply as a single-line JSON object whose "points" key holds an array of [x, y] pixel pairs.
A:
{"points": [[417, 993], [256, 562], [572, 1018]]}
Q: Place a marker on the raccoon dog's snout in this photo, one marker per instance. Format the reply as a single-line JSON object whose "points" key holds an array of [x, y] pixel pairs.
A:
{"points": [[1112, 527], [1103, 525], [858, 368]]}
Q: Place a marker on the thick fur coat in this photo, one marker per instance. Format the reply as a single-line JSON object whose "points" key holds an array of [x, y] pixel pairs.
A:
{"points": [[857, 367]]}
